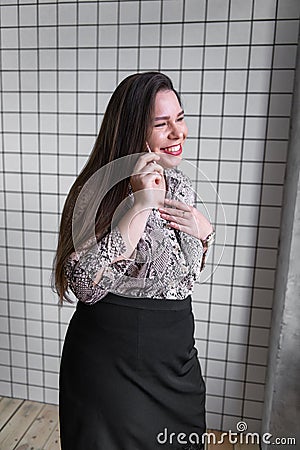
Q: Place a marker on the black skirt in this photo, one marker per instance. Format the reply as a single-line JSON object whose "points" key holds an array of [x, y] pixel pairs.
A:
{"points": [[130, 378]]}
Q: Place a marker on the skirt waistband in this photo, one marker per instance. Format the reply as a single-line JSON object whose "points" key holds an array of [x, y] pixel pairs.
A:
{"points": [[145, 303]]}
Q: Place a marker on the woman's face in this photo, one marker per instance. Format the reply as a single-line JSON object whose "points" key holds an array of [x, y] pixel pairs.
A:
{"points": [[168, 130]]}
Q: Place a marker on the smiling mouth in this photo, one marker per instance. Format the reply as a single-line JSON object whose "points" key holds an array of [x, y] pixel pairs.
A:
{"points": [[174, 150]]}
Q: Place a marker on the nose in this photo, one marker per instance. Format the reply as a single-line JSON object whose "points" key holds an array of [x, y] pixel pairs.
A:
{"points": [[175, 132]]}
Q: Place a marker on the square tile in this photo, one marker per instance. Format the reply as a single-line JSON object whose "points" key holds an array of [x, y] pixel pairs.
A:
{"points": [[46, 37], [191, 81], [127, 59], [210, 127], [150, 11], [278, 128], [172, 11], [282, 80], [212, 104], [215, 368], [261, 57], [19, 390], [259, 336], [194, 10], [218, 331], [257, 104], [285, 56], [214, 58], [236, 80], [234, 104], [237, 57], [193, 34], [10, 81], [235, 370], [256, 374], [233, 127], [253, 409], [9, 38], [88, 12], [149, 59], [170, 57], [216, 33], [288, 9], [129, 35], [129, 12], [265, 10], [239, 33], [66, 58], [9, 15], [213, 81], [67, 14], [108, 12], [218, 10], [259, 80], [10, 60], [238, 334], [255, 127], [241, 9], [263, 32], [108, 36], [47, 14], [234, 389]]}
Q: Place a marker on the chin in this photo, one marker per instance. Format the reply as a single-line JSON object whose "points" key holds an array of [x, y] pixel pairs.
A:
{"points": [[169, 161]]}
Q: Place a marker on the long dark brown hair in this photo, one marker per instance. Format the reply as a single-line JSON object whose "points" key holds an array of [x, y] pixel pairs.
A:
{"points": [[124, 131]]}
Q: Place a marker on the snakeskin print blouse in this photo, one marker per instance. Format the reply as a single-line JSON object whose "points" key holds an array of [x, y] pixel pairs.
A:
{"points": [[164, 265]]}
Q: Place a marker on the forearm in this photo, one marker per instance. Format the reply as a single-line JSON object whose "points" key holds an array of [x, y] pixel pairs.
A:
{"points": [[132, 226]]}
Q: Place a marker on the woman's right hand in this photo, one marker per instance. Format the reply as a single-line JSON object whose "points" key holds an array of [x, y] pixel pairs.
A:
{"points": [[148, 182]]}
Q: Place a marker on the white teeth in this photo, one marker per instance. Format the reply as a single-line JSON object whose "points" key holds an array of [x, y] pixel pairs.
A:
{"points": [[174, 149]]}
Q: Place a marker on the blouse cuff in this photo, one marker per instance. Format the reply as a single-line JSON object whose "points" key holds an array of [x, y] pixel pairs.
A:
{"points": [[102, 254]]}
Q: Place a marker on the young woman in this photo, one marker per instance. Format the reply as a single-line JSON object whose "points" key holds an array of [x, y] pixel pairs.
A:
{"points": [[130, 378]]}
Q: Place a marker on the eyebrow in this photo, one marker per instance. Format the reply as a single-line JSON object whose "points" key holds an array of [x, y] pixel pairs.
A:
{"points": [[168, 117]]}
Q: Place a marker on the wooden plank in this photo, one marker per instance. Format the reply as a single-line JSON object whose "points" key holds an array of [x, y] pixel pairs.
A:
{"points": [[54, 442], [246, 447], [215, 446], [14, 430], [40, 430], [8, 406]]}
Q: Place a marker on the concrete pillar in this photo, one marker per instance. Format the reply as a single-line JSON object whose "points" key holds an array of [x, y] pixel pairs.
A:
{"points": [[282, 400]]}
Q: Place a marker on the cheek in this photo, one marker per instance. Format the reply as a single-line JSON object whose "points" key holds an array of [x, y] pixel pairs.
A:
{"points": [[185, 130], [155, 139]]}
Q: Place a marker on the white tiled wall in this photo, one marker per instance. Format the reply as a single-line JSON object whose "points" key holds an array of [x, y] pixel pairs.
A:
{"points": [[233, 62]]}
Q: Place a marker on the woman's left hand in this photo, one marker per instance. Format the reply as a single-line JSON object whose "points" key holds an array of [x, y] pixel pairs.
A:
{"points": [[186, 218]]}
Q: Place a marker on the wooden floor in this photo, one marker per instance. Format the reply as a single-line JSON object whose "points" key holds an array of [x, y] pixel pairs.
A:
{"points": [[27, 425]]}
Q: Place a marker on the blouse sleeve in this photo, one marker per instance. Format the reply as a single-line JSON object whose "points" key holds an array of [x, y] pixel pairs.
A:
{"points": [[83, 269], [191, 246]]}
